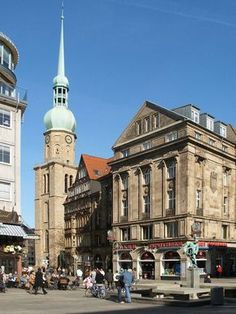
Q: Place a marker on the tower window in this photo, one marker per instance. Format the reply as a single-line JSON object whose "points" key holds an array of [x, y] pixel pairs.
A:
{"points": [[71, 180], [66, 183]]}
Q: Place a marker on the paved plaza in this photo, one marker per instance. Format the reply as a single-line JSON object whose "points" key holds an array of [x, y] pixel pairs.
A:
{"points": [[18, 301]]}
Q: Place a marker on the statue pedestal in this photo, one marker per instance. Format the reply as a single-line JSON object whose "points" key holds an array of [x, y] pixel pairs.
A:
{"points": [[193, 278]]}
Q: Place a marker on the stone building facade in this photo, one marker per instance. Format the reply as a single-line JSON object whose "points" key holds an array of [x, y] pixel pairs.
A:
{"points": [[88, 209], [171, 169]]}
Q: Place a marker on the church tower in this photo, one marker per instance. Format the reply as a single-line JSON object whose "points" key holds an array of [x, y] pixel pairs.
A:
{"points": [[57, 173]]}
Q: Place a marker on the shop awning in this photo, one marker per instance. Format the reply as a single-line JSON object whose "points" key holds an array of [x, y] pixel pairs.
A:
{"points": [[12, 230]]}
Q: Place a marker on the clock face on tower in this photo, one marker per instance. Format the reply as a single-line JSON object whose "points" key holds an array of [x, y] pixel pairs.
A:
{"points": [[68, 139], [47, 139]]}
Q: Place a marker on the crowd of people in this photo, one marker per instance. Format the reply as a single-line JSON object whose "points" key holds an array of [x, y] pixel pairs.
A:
{"points": [[32, 280], [95, 281], [122, 281]]}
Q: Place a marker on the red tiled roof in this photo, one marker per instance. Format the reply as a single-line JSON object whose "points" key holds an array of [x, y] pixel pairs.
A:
{"points": [[96, 166]]}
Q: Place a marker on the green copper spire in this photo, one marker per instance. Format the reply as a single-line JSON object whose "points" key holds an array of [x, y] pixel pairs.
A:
{"points": [[60, 82], [60, 117], [61, 62]]}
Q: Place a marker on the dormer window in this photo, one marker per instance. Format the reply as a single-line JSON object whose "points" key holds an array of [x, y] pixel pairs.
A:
{"points": [[195, 115], [223, 130], [210, 124]]}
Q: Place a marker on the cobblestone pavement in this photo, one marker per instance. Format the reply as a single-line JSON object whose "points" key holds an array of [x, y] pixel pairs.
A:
{"points": [[17, 301]]}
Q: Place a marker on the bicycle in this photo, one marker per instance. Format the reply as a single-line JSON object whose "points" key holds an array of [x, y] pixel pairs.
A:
{"points": [[98, 291]]}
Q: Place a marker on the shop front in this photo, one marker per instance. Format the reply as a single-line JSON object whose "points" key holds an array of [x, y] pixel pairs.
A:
{"points": [[11, 247], [162, 260], [147, 265]]}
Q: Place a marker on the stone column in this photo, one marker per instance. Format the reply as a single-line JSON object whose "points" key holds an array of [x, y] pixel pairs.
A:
{"points": [[19, 265]]}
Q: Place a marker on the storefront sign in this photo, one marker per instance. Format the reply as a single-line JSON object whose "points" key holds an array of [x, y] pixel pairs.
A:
{"points": [[124, 246], [165, 244], [207, 244]]}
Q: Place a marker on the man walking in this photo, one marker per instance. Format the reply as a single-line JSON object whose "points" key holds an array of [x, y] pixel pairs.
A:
{"points": [[39, 282], [127, 279]]}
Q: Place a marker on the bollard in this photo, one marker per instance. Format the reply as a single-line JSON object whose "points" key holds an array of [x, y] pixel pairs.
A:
{"points": [[217, 296]]}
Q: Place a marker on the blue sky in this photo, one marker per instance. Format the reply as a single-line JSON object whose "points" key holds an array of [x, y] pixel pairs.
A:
{"points": [[118, 54]]}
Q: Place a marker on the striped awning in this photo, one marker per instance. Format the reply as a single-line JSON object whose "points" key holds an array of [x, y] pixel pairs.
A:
{"points": [[12, 230]]}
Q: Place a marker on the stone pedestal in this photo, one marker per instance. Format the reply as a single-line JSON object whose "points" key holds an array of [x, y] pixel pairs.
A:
{"points": [[193, 278]]}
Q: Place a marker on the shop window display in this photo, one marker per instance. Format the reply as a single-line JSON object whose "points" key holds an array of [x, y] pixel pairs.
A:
{"points": [[171, 264]]}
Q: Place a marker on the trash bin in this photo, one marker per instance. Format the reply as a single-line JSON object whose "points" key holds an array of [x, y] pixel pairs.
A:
{"points": [[217, 296]]}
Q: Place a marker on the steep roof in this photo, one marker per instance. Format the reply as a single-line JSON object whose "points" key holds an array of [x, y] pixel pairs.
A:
{"points": [[96, 166]]}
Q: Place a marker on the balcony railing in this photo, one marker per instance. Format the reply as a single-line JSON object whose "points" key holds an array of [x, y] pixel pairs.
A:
{"points": [[16, 93]]}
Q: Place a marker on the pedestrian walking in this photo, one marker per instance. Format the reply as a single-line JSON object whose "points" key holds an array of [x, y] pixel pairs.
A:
{"points": [[109, 279], [31, 281], [127, 279], [39, 282], [79, 274], [219, 270], [119, 283], [88, 282]]}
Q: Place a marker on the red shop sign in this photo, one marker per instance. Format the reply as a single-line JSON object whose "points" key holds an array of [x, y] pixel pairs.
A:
{"points": [[127, 246], [165, 244], [206, 244]]}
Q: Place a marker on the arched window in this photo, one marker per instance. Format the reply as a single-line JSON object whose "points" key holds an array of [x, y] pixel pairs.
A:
{"points": [[125, 200], [46, 212], [48, 183], [71, 180], [66, 183], [147, 256], [46, 241], [171, 264], [44, 184]]}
